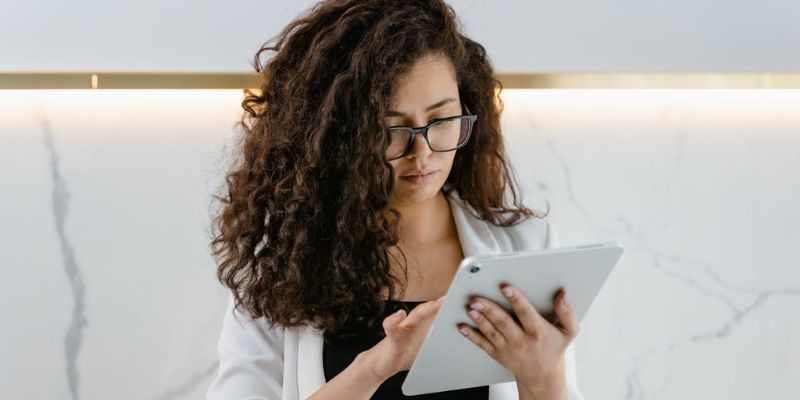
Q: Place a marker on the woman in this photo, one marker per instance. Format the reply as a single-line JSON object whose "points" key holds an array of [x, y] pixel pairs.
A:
{"points": [[343, 225]]}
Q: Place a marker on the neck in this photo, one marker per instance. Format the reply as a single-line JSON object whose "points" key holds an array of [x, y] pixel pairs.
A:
{"points": [[426, 222]]}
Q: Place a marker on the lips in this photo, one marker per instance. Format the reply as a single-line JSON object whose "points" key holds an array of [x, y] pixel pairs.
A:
{"points": [[419, 172]]}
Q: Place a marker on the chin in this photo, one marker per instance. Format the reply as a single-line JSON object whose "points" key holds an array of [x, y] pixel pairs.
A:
{"points": [[404, 192]]}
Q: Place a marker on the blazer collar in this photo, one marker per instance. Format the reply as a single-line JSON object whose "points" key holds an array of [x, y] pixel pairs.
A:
{"points": [[476, 238]]}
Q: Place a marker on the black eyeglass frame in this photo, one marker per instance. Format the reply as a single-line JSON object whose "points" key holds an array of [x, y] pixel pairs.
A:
{"points": [[424, 132]]}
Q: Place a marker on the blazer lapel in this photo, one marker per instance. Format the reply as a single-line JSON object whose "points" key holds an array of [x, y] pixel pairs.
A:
{"points": [[475, 237], [474, 234]]}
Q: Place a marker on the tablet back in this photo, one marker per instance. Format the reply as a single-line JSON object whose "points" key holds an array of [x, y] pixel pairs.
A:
{"points": [[448, 361]]}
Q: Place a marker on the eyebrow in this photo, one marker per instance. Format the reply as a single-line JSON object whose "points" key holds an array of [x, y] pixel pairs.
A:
{"points": [[393, 113]]}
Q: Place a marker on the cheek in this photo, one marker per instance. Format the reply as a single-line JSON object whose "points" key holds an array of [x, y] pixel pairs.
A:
{"points": [[447, 163], [395, 164]]}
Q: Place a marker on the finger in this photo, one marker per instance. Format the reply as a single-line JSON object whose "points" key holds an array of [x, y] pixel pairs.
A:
{"points": [[566, 315], [422, 312], [529, 318], [480, 311], [478, 338], [502, 320]]}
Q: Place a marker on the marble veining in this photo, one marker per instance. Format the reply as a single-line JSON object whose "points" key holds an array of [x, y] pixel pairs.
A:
{"points": [[60, 198]]}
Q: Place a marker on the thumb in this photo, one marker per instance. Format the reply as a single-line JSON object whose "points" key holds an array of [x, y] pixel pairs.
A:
{"points": [[391, 322]]}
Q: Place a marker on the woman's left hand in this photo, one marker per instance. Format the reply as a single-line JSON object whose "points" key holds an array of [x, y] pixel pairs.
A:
{"points": [[531, 348]]}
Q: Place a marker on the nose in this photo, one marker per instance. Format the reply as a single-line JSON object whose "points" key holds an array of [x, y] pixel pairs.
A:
{"points": [[420, 147]]}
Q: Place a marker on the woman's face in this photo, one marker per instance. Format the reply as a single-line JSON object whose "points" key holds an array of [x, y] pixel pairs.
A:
{"points": [[428, 91]]}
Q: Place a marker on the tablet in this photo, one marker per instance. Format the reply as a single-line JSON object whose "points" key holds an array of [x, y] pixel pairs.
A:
{"points": [[449, 361]]}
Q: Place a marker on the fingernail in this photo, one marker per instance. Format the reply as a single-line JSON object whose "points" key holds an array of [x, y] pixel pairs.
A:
{"points": [[477, 305], [565, 302], [507, 292], [463, 331]]}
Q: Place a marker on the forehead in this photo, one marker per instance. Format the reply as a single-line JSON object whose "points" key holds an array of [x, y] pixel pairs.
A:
{"points": [[429, 80]]}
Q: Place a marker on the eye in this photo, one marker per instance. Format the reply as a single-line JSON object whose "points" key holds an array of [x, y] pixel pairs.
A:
{"points": [[392, 123]]}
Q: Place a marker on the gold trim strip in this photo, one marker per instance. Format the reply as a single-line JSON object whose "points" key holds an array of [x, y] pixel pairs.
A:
{"points": [[124, 80], [545, 80], [652, 80]]}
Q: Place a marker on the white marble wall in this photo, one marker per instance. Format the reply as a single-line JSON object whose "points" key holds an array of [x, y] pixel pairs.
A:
{"points": [[109, 291]]}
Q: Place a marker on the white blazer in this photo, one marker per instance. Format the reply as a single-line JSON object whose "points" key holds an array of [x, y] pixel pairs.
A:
{"points": [[256, 362]]}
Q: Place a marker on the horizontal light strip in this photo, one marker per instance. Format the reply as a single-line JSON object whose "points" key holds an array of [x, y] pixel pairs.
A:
{"points": [[554, 80]]}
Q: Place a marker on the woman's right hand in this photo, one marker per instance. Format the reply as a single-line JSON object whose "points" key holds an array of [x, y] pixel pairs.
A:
{"points": [[404, 337]]}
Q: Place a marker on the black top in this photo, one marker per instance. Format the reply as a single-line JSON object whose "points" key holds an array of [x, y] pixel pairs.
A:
{"points": [[338, 354]]}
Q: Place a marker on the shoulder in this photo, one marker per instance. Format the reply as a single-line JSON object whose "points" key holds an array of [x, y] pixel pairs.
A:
{"points": [[528, 234], [250, 358], [239, 329]]}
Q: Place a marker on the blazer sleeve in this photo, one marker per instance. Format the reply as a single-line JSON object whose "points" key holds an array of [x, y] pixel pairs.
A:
{"points": [[250, 359], [552, 240]]}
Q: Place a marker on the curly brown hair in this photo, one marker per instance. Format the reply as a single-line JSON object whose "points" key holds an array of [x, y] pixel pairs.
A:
{"points": [[304, 230]]}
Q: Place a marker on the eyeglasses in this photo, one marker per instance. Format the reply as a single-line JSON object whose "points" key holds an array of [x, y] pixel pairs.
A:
{"points": [[442, 134]]}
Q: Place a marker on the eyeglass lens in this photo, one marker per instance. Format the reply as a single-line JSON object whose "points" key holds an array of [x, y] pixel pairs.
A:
{"points": [[443, 136]]}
